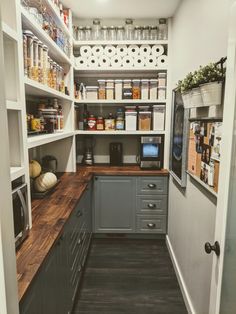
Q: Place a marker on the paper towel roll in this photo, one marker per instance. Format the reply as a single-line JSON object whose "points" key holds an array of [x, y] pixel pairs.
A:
{"points": [[109, 51], [151, 62], [133, 51], [162, 61], [85, 51], [145, 50], [139, 61], [104, 61], [97, 51], [116, 61], [92, 62], [122, 50], [157, 50], [128, 62], [80, 62]]}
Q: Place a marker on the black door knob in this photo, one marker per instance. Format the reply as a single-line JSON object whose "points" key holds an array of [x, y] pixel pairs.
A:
{"points": [[215, 248]]}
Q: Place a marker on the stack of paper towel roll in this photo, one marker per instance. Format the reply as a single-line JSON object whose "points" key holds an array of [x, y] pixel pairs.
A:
{"points": [[151, 56]]}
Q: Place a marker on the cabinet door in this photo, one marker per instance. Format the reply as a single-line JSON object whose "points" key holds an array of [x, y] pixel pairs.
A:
{"points": [[32, 303], [114, 204]]}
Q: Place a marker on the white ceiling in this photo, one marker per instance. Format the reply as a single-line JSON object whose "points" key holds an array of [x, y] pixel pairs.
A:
{"points": [[122, 8]]}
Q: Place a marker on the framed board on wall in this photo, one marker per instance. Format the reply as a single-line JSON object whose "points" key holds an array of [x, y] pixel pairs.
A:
{"points": [[179, 139]]}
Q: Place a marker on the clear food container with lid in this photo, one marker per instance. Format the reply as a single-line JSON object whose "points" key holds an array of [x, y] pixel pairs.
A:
{"points": [[130, 119], [145, 89], [153, 89], [92, 92], [144, 120]]}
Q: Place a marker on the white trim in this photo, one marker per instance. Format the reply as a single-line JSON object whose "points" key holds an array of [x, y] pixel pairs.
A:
{"points": [[183, 288]]}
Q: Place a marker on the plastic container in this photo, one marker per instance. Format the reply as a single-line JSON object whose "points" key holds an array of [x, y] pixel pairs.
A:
{"points": [[127, 90], [112, 33], [137, 33], [162, 79], [110, 83], [144, 120], [120, 35], [162, 30], [101, 89], [161, 91], [35, 59], [81, 33], [45, 64], [118, 89], [153, 89], [145, 89], [110, 91], [153, 33], [158, 117], [136, 89], [88, 33], [130, 120], [104, 33], [92, 92]]}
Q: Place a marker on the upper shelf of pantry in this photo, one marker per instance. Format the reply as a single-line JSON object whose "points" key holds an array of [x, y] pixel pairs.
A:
{"points": [[122, 8], [78, 43]]}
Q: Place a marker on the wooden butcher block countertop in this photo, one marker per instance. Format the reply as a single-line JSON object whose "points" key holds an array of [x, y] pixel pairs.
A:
{"points": [[50, 214]]}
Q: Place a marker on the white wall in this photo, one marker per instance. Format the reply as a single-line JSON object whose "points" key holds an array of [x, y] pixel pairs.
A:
{"points": [[200, 30]]}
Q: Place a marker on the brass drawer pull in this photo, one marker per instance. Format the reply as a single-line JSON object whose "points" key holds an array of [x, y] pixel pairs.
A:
{"points": [[151, 226], [152, 186], [151, 206]]}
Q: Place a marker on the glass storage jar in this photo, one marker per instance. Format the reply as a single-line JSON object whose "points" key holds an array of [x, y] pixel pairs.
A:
{"points": [[145, 34], [88, 33], [40, 62], [162, 79], [96, 29], [45, 64], [35, 59], [104, 33], [136, 90], [118, 89], [81, 33], [153, 89], [101, 89], [127, 89], [153, 33], [112, 33], [144, 120], [145, 89], [137, 33], [129, 29], [120, 33], [162, 30], [25, 54]]}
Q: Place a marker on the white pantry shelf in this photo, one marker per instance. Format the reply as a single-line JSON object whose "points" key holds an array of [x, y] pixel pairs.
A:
{"points": [[81, 132], [13, 105], [56, 53], [118, 70], [39, 140], [33, 88], [16, 172], [122, 101], [9, 32], [119, 42]]}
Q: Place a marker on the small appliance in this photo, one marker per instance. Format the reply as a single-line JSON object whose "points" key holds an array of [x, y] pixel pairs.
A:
{"points": [[49, 163], [20, 213], [116, 154], [151, 152], [88, 158]]}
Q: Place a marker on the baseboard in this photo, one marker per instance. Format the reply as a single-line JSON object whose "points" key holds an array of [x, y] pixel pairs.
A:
{"points": [[186, 296]]}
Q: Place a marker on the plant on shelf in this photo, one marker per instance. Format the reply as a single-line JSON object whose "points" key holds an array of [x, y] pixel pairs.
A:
{"points": [[204, 86]]}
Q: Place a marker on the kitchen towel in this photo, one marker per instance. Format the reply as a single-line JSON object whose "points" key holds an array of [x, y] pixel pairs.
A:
{"points": [[104, 61], [162, 61], [145, 50], [97, 51], [128, 62], [85, 51], [92, 62], [139, 61], [116, 61], [157, 50], [133, 51], [109, 51], [81, 62], [122, 50], [151, 62]]}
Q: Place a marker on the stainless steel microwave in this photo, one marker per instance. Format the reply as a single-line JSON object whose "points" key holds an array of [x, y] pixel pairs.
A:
{"points": [[20, 213]]}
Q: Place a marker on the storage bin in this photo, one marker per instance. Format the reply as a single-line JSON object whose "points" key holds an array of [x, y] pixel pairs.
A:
{"points": [[159, 117], [131, 120], [144, 120]]}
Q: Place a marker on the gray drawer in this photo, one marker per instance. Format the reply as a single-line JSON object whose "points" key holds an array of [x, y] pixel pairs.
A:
{"points": [[152, 185], [151, 224], [151, 204]]}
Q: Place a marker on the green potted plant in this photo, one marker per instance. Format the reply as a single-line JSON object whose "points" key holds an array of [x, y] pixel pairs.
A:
{"points": [[185, 87]]}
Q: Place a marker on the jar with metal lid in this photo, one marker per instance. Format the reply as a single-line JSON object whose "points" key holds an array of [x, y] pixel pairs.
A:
{"points": [[91, 124], [49, 72], [136, 89], [145, 89], [120, 121], [100, 124], [40, 62], [162, 30], [58, 77], [25, 54], [35, 59], [81, 33], [144, 120], [45, 64], [153, 33], [30, 53], [88, 33], [101, 89], [112, 33], [145, 34], [129, 29], [54, 75], [104, 33], [96, 29], [120, 33], [118, 89], [110, 93], [153, 89], [127, 90], [137, 33]]}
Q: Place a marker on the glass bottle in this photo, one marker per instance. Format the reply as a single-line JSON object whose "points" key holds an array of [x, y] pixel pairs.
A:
{"points": [[88, 33], [120, 33], [35, 58], [129, 29], [45, 64], [112, 33], [75, 32], [96, 29], [145, 33], [137, 33], [163, 30], [153, 33], [104, 33], [81, 33]]}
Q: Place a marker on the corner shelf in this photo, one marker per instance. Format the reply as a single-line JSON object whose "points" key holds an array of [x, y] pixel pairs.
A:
{"points": [[39, 140], [206, 186], [122, 101], [119, 42], [34, 88], [55, 51], [16, 172], [81, 132]]}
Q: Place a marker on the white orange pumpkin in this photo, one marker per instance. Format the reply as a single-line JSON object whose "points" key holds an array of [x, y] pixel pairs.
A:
{"points": [[34, 169], [45, 182]]}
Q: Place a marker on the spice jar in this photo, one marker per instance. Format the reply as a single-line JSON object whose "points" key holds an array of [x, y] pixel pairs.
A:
{"points": [[110, 123], [136, 90], [127, 90], [120, 121], [101, 89], [35, 59], [153, 89], [145, 89], [144, 120], [118, 89], [100, 124], [91, 124]]}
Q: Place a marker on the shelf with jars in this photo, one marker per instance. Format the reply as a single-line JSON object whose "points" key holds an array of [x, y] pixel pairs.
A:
{"points": [[81, 132], [77, 43], [47, 138]]}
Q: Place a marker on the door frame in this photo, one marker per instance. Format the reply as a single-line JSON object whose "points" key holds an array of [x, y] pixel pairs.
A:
{"points": [[225, 165]]}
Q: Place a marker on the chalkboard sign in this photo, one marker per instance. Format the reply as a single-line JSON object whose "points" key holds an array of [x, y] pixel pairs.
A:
{"points": [[179, 139]]}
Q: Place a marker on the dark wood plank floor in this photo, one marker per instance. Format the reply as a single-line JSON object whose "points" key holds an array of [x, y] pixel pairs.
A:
{"points": [[129, 277]]}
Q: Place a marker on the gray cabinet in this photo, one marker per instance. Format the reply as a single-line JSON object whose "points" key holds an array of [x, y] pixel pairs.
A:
{"points": [[114, 204], [130, 204], [54, 289]]}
